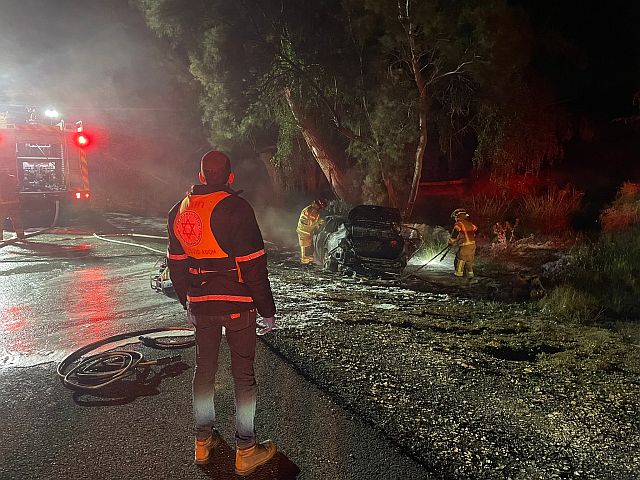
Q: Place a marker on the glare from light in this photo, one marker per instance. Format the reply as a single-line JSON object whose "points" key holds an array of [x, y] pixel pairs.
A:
{"points": [[51, 113], [425, 261], [82, 140]]}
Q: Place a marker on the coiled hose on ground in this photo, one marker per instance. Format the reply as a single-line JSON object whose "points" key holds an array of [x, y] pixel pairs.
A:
{"points": [[99, 370]]}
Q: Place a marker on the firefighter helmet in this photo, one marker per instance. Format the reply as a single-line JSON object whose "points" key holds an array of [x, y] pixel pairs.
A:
{"points": [[459, 212]]}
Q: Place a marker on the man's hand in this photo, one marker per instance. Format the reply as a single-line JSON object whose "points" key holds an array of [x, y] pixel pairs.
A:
{"points": [[266, 325]]}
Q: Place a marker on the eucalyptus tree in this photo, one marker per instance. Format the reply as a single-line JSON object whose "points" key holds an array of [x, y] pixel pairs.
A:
{"points": [[355, 85]]}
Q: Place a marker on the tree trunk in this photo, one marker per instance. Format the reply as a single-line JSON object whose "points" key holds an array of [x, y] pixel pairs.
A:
{"points": [[277, 186], [388, 183], [335, 176], [423, 107]]}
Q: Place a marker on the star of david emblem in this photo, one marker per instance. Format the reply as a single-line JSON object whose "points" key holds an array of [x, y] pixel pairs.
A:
{"points": [[190, 228]]}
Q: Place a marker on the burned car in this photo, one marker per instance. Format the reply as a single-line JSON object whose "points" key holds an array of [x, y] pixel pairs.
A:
{"points": [[369, 240]]}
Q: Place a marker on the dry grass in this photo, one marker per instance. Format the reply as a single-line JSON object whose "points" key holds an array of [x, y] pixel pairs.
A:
{"points": [[624, 212], [602, 276], [572, 304], [550, 212], [488, 210]]}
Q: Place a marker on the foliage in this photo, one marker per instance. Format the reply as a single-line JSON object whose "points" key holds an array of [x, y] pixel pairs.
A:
{"points": [[488, 210], [504, 235], [351, 67], [520, 136], [607, 273], [571, 304], [519, 125], [434, 241], [624, 212], [550, 212]]}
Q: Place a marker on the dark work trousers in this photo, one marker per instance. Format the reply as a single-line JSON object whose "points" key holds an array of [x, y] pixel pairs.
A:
{"points": [[11, 210], [241, 338]]}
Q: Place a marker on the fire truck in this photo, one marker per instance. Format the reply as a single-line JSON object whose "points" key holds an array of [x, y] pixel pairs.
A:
{"points": [[48, 157]]}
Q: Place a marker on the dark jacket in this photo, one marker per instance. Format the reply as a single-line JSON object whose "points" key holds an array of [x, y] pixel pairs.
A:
{"points": [[8, 189], [222, 273]]}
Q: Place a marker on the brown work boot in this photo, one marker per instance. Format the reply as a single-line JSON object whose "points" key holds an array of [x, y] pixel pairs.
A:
{"points": [[204, 449], [248, 459]]}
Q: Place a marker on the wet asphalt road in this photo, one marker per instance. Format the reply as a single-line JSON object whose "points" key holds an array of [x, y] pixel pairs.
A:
{"points": [[143, 431], [66, 289]]}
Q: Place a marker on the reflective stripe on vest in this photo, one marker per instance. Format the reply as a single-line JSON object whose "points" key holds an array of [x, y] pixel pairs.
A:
{"points": [[251, 256], [467, 241], [220, 298], [192, 226], [308, 220]]}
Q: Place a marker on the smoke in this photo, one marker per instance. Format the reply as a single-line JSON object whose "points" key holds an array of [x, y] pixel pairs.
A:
{"points": [[278, 225], [97, 62]]}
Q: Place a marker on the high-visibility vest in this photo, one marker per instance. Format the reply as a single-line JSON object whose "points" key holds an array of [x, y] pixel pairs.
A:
{"points": [[308, 221], [192, 226], [468, 231]]}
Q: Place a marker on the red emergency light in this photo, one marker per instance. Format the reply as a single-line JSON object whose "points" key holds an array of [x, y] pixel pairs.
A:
{"points": [[81, 139]]}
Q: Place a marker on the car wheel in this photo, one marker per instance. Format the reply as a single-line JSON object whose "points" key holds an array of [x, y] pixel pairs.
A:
{"points": [[330, 264]]}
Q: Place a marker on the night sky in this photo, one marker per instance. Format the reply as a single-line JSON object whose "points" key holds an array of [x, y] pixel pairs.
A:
{"points": [[590, 50]]}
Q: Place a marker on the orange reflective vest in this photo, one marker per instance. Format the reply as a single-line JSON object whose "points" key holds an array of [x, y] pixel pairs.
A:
{"points": [[465, 232], [193, 227], [205, 267]]}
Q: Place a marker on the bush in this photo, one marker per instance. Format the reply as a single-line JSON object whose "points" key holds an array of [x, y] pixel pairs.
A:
{"points": [[488, 210], [550, 212], [608, 272], [624, 212], [571, 304]]}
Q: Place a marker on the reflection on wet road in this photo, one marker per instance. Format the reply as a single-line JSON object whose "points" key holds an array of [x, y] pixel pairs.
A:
{"points": [[59, 292]]}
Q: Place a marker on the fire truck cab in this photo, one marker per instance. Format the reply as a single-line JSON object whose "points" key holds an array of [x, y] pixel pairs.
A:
{"points": [[49, 160]]}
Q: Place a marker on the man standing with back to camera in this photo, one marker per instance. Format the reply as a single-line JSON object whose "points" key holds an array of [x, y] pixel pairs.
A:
{"points": [[218, 267]]}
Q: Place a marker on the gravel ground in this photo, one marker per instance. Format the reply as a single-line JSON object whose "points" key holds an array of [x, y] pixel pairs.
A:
{"points": [[474, 389]]}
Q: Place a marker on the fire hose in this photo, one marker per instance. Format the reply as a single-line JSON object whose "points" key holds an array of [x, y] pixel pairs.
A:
{"points": [[155, 250], [442, 252], [96, 371]]}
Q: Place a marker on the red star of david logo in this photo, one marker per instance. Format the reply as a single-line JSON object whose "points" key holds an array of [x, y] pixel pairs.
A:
{"points": [[190, 228]]}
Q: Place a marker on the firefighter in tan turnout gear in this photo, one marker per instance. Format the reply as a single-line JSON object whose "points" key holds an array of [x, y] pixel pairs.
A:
{"points": [[10, 204], [309, 220], [463, 236]]}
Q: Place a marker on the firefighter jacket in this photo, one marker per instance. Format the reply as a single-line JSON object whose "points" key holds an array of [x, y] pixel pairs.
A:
{"points": [[308, 221], [216, 255], [464, 233], [8, 190]]}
